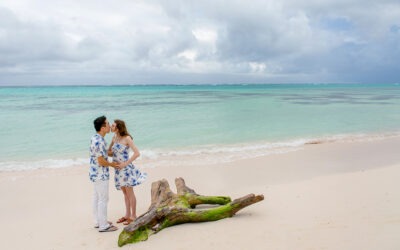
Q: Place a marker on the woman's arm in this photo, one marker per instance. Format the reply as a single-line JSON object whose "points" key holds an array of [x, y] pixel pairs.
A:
{"points": [[136, 152], [109, 152]]}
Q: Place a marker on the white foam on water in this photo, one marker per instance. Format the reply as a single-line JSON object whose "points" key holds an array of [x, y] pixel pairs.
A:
{"points": [[200, 155], [48, 163]]}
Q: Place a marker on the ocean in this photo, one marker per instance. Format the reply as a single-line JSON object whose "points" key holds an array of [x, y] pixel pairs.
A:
{"points": [[51, 126]]}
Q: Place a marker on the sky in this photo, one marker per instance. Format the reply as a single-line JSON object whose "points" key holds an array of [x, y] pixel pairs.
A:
{"points": [[52, 42]]}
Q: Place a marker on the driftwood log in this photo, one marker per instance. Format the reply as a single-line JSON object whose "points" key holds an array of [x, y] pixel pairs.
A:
{"points": [[168, 209]]}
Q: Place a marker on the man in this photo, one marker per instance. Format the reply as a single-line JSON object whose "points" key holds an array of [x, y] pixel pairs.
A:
{"points": [[99, 174]]}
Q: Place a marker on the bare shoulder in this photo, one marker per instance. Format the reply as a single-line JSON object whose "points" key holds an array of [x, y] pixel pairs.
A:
{"points": [[127, 140]]}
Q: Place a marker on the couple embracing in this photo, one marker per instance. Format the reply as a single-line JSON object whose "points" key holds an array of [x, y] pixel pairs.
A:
{"points": [[126, 174]]}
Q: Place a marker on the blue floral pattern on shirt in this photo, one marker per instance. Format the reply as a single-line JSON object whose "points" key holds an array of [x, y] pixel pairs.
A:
{"points": [[98, 148], [130, 175]]}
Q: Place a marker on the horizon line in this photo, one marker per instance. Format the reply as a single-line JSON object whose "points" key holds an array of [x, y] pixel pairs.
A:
{"points": [[184, 84]]}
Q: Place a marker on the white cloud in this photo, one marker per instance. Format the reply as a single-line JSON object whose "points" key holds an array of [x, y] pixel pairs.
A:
{"points": [[158, 41], [205, 35], [188, 54], [257, 67]]}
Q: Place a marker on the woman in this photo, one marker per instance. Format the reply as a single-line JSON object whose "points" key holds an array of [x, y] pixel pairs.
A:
{"points": [[127, 175]]}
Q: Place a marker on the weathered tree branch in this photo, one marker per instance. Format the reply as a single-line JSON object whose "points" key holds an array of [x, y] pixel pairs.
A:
{"points": [[168, 209]]}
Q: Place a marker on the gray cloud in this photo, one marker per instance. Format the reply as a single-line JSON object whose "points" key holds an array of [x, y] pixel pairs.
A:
{"points": [[50, 42]]}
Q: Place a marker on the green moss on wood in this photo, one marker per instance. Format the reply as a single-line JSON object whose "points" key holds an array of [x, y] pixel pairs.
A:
{"points": [[210, 214], [164, 224], [182, 201], [219, 200], [141, 234]]}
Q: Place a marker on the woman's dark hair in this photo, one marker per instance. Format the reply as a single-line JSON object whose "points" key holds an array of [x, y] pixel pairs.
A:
{"points": [[99, 122], [120, 124]]}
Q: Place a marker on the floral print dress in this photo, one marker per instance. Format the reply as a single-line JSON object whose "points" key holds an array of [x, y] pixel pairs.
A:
{"points": [[130, 175]]}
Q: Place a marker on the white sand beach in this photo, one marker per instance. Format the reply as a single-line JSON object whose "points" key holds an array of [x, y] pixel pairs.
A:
{"points": [[326, 196]]}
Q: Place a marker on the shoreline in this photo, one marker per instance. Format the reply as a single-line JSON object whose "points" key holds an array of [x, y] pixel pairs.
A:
{"points": [[212, 154], [327, 196]]}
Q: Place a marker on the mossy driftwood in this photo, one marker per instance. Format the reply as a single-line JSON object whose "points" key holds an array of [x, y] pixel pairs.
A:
{"points": [[168, 209]]}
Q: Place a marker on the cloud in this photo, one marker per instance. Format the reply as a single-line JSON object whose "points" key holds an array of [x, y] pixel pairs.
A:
{"points": [[140, 42]]}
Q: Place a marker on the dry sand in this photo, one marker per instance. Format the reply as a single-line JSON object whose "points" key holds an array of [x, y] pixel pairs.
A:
{"points": [[325, 196]]}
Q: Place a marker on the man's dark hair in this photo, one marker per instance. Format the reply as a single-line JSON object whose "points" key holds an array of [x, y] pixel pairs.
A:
{"points": [[99, 122]]}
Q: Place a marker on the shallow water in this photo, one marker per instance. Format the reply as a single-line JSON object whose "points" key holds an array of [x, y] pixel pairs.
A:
{"points": [[52, 126]]}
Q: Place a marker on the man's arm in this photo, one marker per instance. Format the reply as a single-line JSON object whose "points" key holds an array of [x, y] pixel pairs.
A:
{"points": [[104, 162]]}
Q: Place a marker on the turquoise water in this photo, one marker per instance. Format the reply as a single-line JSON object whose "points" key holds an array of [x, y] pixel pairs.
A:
{"points": [[47, 126]]}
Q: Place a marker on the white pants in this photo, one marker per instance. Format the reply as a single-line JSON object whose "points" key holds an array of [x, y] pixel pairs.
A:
{"points": [[100, 200]]}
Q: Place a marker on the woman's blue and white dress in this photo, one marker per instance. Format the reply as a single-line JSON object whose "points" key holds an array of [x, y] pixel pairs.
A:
{"points": [[130, 175]]}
